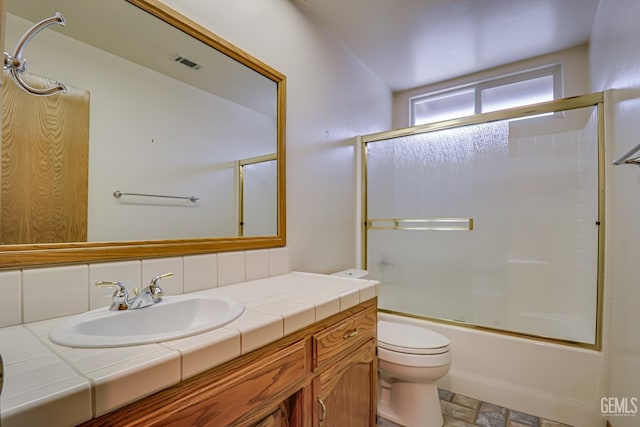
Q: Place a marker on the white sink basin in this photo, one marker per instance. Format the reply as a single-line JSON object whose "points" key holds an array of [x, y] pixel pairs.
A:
{"points": [[174, 317]]}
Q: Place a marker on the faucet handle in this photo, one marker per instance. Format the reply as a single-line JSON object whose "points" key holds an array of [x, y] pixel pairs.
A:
{"points": [[156, 291], [120, 295], [118, 285], [162, 276]]}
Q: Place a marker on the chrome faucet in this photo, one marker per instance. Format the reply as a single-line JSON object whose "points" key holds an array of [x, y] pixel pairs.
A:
{"points": [[150, 295], [120, 295]]}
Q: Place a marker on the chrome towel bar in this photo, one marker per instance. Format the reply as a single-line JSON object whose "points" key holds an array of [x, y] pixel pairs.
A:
{"points": [[439, 224], [626, 159], [117, 194]]}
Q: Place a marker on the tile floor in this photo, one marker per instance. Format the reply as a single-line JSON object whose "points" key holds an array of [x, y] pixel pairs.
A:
{"points": [[463, 411]]}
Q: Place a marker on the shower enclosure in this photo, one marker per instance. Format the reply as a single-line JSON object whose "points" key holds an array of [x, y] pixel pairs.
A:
{"points": [[494, 221]]}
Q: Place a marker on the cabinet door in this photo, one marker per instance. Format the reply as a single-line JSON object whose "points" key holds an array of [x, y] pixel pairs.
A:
{"points": [[346, 393], [273, 420], [41, 202], [289, 413]]}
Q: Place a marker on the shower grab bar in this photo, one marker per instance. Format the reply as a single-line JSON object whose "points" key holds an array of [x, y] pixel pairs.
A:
{"points": [[117, 194], [626, 159], [439, 224]]}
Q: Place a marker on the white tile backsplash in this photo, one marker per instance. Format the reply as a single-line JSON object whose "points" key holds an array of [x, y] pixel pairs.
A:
{"points": [[36, 294], [231, 268], [127, 272], [11, 301], [279, 261], [256, 264], [54, 292], [200, 272]]}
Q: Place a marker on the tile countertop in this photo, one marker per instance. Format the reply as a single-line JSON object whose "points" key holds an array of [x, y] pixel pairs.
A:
{"points": [[46, 382]]}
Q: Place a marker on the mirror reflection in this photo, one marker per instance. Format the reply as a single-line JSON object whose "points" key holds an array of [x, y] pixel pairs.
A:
{"points": [[151, 111], [258, 182]]}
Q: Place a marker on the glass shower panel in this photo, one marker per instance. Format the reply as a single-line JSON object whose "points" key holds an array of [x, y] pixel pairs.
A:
{"points": [[528, 264]]}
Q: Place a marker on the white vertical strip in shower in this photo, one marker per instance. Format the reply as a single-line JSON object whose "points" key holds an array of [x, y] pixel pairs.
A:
{"points": [[260, 198]]}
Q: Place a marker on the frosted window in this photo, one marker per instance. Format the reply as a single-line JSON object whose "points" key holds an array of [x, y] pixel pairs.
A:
{"points": [[434, 109], [500, 93], [517, 94]]}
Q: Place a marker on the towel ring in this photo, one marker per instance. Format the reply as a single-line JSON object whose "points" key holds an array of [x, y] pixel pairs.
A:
{"points": [[17, 65]]}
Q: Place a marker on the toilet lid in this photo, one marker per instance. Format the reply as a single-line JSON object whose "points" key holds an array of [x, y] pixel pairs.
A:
{"points": [[410, 339]]}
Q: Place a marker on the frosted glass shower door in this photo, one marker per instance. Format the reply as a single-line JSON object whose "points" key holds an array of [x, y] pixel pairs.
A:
{"points": [[521, 254]]}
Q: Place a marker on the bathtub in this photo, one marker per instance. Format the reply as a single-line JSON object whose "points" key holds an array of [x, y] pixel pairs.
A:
{"points": [[572, 328], [552, 381]]}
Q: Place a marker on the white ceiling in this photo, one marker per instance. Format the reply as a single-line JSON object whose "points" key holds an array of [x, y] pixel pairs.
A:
{"points": [[410, 43]]}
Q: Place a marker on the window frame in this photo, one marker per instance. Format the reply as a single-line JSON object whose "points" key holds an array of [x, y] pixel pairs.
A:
{"points": [[553, 70]]}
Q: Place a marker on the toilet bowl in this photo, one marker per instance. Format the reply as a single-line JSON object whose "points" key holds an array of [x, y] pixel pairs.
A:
{"points": [[410, 361]]}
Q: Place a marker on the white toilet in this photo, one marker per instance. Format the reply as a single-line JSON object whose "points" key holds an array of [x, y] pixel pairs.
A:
{"points": [[410, 360]]}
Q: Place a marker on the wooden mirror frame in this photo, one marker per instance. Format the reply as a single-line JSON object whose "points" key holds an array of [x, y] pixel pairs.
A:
{"points": [[16, 256]]}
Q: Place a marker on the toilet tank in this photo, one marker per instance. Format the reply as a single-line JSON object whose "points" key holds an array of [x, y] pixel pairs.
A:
{"points": [[353, 273]]}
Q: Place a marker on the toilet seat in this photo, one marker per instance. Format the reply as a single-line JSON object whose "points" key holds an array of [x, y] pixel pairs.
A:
{"points": [[409, 339]]}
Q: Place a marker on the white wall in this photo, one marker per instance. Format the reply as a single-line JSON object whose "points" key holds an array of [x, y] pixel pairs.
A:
{"points": [[615, 64], [331, 97]]}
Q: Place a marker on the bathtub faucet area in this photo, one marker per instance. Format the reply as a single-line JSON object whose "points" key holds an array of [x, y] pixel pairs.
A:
{"points": [[146, 297]]}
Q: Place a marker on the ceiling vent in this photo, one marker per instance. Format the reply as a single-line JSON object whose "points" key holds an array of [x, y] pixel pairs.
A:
{"points": [[187, 62]]}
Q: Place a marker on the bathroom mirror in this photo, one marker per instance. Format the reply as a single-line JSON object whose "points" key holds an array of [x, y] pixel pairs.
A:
{"points": [[172, 113]]}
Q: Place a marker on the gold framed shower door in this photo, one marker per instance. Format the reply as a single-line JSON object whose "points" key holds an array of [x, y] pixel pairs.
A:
{"points": [[584, 101]]}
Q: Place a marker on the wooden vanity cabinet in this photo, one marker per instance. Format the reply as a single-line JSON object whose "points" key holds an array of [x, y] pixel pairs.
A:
{"points": [[345, 387], [323, 375]]}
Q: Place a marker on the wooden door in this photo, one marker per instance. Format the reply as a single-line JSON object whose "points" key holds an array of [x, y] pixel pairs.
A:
{"points": [[45, 165]]}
